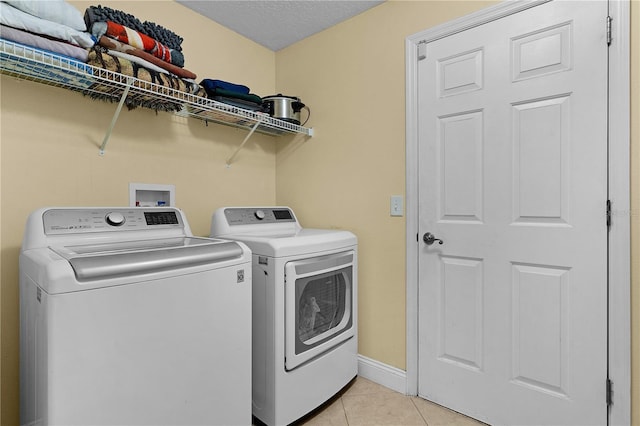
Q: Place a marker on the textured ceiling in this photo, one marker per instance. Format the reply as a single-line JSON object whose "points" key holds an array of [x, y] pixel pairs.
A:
{"points": [[277, 24]]}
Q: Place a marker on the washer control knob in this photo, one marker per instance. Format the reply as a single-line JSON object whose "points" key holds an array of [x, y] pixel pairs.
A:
{"points": [[259, 214], [115, 219]]}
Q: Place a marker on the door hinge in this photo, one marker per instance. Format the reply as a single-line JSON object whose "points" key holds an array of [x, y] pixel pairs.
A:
{"points": [[609, 36], [422, 50], [609, 392], [608, 214]]}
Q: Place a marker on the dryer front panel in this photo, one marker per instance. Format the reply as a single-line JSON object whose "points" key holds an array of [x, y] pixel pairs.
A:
{"points": [[319, 306]]}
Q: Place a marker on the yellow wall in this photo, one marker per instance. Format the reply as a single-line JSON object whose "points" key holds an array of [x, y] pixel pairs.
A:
{"points": [[49, 140], [351, 76]]}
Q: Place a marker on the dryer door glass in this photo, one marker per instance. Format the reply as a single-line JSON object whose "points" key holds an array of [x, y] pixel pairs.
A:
{"points": [[321, 306], [318, 305]]}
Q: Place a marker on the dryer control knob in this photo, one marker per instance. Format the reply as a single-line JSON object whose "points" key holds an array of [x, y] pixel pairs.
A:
{"points": [[259, 214], [115, 219]]}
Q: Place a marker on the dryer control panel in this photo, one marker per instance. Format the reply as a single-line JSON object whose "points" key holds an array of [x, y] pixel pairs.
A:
{"points": [[72, 221], [258, 215]]}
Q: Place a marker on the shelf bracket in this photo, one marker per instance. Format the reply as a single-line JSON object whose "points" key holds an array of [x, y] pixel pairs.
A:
{"points": [[253, 129], [116, 115]]}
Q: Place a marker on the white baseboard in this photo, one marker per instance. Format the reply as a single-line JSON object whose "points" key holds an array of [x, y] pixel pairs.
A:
{"points": [[382, 374]]}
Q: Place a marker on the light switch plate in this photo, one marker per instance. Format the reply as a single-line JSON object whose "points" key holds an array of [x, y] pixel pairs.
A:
{"points": [[397, 205]]}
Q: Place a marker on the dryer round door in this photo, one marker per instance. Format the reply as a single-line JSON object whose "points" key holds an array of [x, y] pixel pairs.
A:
{"points": [[318, 306]]}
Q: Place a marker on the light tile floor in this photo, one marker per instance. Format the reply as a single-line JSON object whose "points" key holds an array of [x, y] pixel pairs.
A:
{"points": [[365, 403]]}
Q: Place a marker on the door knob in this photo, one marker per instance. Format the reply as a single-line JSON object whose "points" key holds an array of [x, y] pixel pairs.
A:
{"points": [[429, 239]]}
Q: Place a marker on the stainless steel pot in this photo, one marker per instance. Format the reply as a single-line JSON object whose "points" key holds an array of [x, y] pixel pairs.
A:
{"points": [[286, 108]]}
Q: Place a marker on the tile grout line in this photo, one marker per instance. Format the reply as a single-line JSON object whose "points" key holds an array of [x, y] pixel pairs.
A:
{"points": [[418, 410], [344, 410]]}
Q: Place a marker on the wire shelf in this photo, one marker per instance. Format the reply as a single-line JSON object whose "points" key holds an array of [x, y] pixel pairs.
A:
{"points": [[37, 65]]}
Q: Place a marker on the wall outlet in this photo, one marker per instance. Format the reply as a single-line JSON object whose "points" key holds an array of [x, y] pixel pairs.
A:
{"points": [[397, 205]]}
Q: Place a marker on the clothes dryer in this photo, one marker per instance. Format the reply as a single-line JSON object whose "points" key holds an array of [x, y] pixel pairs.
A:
{"points": [[126, 318], [304, 309]]}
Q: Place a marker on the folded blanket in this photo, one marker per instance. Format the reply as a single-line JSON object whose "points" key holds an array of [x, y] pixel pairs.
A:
{"points": [[212, 85], [136, 39], [52, 10], [23, 60], [102, 14], [148, 65], [251, 106], [100, 58], [247, 97], [113, 44], [44, 43], [12, 17]]}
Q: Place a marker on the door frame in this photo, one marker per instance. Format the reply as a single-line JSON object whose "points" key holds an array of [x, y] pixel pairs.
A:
{"points": [[619, 270]]}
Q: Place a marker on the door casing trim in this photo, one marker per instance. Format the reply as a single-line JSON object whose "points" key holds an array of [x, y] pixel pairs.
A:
{"points": [[619, 193]]}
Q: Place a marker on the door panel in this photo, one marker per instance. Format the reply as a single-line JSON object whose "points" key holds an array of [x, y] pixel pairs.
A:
{"points": [[460, 139], [513, 179], [539, 349], [541, 161], [460, 316]]}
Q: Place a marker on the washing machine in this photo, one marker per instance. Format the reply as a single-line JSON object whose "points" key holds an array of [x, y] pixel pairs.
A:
{"points": [[304, 309], [126, 318]]}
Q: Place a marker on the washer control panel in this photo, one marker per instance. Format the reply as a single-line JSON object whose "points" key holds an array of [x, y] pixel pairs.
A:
{"points": [[70, 221], [258, 215]]}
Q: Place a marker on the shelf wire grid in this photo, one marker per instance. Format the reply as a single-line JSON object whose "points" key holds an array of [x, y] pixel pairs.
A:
{"points": [[27, 63]]}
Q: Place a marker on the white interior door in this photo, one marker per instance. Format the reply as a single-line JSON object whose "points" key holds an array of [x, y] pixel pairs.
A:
{"points": [[513, 179]]}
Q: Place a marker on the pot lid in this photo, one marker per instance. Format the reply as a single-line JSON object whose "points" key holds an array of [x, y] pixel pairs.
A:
{"points": [[280, 96]]}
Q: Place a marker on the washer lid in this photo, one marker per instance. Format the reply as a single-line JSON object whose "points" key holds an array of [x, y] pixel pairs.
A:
{"points": [[118, 259]]}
